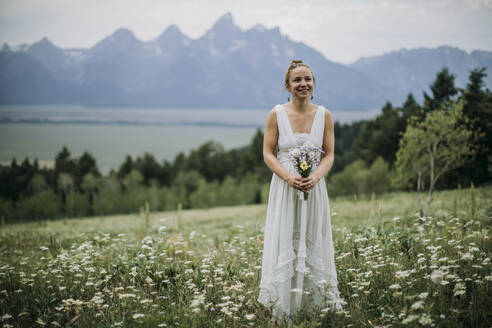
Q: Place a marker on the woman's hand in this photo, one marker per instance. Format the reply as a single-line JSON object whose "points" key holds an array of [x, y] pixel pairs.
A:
{"points": [[309, 182], [295, 182]]}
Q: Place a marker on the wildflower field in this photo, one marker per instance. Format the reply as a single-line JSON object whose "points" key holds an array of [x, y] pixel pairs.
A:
{"points": [[201, 268]]}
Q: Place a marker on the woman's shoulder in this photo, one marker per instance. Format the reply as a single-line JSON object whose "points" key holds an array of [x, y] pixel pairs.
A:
{"points": [[275, 109], [272, 115], [326, 112], [323, 108]]}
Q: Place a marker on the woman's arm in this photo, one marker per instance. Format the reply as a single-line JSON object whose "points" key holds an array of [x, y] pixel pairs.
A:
{"points": [[328, 157], [269, 142]]}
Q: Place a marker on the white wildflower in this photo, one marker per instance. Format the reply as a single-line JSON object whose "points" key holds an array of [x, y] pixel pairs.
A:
{"points": [[402, 274], [395, 286], [249, 316], [459, 289], [437, 276], [425, 320], [410, 318], [6, 316], [40, 322], [417, 305]]}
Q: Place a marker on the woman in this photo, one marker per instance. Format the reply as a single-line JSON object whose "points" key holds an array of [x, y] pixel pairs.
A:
{"points": [[298, 267]]}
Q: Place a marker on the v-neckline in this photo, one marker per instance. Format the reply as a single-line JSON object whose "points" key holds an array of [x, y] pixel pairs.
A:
{"points": [[290, 126]]}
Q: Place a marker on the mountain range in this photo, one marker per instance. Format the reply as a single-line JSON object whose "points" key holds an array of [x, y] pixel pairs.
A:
{"points": [[225, 68]]}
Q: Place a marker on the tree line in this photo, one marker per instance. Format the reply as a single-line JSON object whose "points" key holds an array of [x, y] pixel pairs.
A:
{"points": [[369, 158]]}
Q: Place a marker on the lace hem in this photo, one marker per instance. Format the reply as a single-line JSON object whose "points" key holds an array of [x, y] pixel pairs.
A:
{"points": [[327, 292], [324, 278], [316, 270]]}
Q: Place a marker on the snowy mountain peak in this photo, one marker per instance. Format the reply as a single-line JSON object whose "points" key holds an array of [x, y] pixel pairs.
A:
{"points": [[172, 32], [258, 28], [225, 22], [123, 34], [122, 39], [226, 18], [172, 36], [43, 43]]}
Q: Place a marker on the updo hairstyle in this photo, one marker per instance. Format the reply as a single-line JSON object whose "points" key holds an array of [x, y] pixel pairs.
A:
{"points": [[294, 64]]}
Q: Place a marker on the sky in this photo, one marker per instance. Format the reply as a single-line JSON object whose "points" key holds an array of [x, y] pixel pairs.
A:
{"points": [[342, 30]]}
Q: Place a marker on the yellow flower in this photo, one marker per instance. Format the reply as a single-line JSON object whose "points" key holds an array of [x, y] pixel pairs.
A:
{"points": [[304, 166]]}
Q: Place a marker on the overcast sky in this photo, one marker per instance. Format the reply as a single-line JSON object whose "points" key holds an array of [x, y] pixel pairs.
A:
{"points": [[343, 30]]}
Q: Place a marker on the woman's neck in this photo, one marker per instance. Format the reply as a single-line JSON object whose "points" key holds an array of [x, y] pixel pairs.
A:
{"points": [[301, 105]]}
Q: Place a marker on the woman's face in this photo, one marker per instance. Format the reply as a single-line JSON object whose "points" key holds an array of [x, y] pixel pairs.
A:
{"points": [[301, 82]]}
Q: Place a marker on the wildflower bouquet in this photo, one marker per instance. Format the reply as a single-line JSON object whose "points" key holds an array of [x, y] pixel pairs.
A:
{"points": [[304, 159]]}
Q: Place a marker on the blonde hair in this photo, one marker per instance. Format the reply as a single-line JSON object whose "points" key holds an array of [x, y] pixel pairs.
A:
{"points": [[294, 64]]}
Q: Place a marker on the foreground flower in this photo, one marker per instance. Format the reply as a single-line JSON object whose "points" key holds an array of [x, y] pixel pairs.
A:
{"points": [[249, 316], [437, 276], [304, 166]]}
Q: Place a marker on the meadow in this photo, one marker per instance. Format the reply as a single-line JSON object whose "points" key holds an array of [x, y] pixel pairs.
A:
{"points": [[201, 267]]}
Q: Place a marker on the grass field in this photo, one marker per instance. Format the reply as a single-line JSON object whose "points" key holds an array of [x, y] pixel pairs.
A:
{"points": [[201, 268]]}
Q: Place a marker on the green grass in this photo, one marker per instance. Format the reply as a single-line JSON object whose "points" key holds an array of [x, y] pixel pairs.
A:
{"points": [[201, 268]]}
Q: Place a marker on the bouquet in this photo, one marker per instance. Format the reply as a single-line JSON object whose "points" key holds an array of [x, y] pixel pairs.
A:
{"points": [[304, 159]]}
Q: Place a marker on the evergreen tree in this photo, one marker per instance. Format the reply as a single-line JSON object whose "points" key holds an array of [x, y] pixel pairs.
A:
{"points": [[345, 136], [85, 164], [125, 168], [442, 88], [410, 107], [148, 167], [380, 136], [63, 162], [478, 110], [253, 158]]}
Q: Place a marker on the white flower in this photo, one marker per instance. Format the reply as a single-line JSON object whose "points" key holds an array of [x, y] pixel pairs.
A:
{"points": [[417, 305], [425, 320], [197, 300], [402, 274], [410, 318], [437, 276], [249, 316], [6, 316], [40, 322], [459, 289], [138, 315], [295, 152]]}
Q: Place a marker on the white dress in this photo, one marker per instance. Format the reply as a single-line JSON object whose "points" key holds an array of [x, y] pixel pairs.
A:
{"points": [[298, 266]]}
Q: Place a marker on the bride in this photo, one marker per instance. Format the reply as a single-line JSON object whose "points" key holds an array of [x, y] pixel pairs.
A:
{"points": [[298, 267]]}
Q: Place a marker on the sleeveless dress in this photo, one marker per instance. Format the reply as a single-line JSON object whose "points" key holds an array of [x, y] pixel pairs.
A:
{"points": [[298, 266]]}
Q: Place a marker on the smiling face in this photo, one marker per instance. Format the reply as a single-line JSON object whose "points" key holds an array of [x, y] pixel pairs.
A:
{"points": [[301, 82]]}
